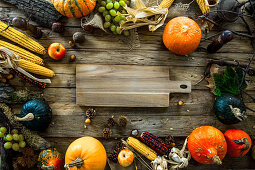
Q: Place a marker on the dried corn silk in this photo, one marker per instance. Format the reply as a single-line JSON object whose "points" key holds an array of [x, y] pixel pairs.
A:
{"points": [[202, 5]]}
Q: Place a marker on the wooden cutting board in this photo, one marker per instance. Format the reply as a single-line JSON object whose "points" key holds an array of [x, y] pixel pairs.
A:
{"points": [[126, 85]]}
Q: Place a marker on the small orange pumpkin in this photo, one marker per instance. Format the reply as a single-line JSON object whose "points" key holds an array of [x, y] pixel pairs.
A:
{"points": [[182, 35], [239, 142], [207, 145], [74, 8], [85, 153]]}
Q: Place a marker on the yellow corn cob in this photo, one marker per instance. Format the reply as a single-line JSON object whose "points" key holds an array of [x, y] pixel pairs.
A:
{"points": [[142, 148], [166, 3], [22, 53], [202, 5], [34, 68], [21, 39]]}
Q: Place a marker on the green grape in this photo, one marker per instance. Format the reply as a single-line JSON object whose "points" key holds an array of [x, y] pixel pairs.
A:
{"points": [[101, 9], [14, 131], [109, 5], [5, 138], [113, 13], [1, 134], [15, 147], [116, 5], [123, 11], [8, 145], [105, 13], [126, 33], [22, 144], [107, 18], [121, 22], [103, 3], [113, 28], [108, 1], [107, 24], [15, 137], [3, 129], [118, 30], [122, 3], [21, 137], [117, 19], [9, 137], [123, 17]]}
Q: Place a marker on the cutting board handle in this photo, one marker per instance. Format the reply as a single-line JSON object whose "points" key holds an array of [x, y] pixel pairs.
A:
{"points": [[180, 87]]}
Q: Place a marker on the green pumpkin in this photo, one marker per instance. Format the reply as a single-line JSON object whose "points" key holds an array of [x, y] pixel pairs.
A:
{"points": [[35, 115], [229, 109]]}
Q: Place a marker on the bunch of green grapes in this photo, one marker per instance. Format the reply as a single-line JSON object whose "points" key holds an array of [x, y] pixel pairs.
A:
{"points": [[112, 21], [13, 140]]}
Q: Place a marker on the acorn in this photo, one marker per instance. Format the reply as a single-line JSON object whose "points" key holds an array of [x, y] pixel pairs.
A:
{"points": [[78, 37], [71, 43], [57, 27], [122, 121], [88, 121]]}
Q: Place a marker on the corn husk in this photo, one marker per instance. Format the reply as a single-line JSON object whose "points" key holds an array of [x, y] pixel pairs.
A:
{"points": [[141, 15]]}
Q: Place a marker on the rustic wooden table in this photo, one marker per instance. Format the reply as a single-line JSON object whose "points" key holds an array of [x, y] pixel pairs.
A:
{"points": [[102, 48]]}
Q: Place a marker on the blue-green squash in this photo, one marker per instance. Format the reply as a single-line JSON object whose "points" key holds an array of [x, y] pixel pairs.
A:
{"points": [[229, 109], [35, 115]]}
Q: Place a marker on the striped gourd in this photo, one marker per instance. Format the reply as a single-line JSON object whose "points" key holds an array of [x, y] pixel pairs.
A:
{"points": [[34, 68], [21, 39], [74, 8], [166, 3], [155, 143], [26, 55], [142, 148]]}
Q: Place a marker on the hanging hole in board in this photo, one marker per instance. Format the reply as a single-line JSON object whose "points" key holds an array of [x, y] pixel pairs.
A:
{"points": [[183, 86]]}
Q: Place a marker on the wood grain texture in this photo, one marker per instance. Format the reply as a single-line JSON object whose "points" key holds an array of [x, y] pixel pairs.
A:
{"points": [[125, 86], [102, 48]]}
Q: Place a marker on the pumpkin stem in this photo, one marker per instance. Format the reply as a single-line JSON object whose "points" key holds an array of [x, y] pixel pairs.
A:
{"points": [[27, 118], [76, 163], [44, 167], [216, 159], [184, 28], [243, 141]]}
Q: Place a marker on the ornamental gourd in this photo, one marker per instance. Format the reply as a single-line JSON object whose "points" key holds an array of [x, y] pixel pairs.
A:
{"points": [[85, 153], [239, 142], [229, 109], [182, 35], [74, 8], [50, 159], [207, 145], [35, 115]]}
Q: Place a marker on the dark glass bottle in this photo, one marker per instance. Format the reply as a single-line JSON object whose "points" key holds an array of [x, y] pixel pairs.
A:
{"points": [[224, 38]]}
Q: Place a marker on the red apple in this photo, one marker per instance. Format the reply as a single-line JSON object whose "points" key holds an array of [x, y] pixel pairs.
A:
{"points": [[126, 157], [56, 51]]}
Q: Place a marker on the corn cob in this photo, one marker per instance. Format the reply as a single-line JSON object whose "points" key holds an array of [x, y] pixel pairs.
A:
{"points": [[34, 68], [26, 55], [166, 3], [155, 143], [21, 39], [202, 5], [29, 80], [142, 148]]}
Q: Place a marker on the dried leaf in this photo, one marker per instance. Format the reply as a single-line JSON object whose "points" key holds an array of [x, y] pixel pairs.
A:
{"points": [[205, 25], [214, 70]]}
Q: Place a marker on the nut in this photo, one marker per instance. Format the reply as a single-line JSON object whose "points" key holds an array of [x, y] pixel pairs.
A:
{"points": [[71, 43], [57, 27], [78, 37], [9, 77], [180, 103], [3, 80], [87, 121], [72, 58], [88, 28]]}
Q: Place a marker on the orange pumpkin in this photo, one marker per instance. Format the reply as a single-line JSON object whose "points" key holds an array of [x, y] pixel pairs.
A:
{"points": [[207, 145], [86, 153], [239, 142], [182, 35], [74, 8]]}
